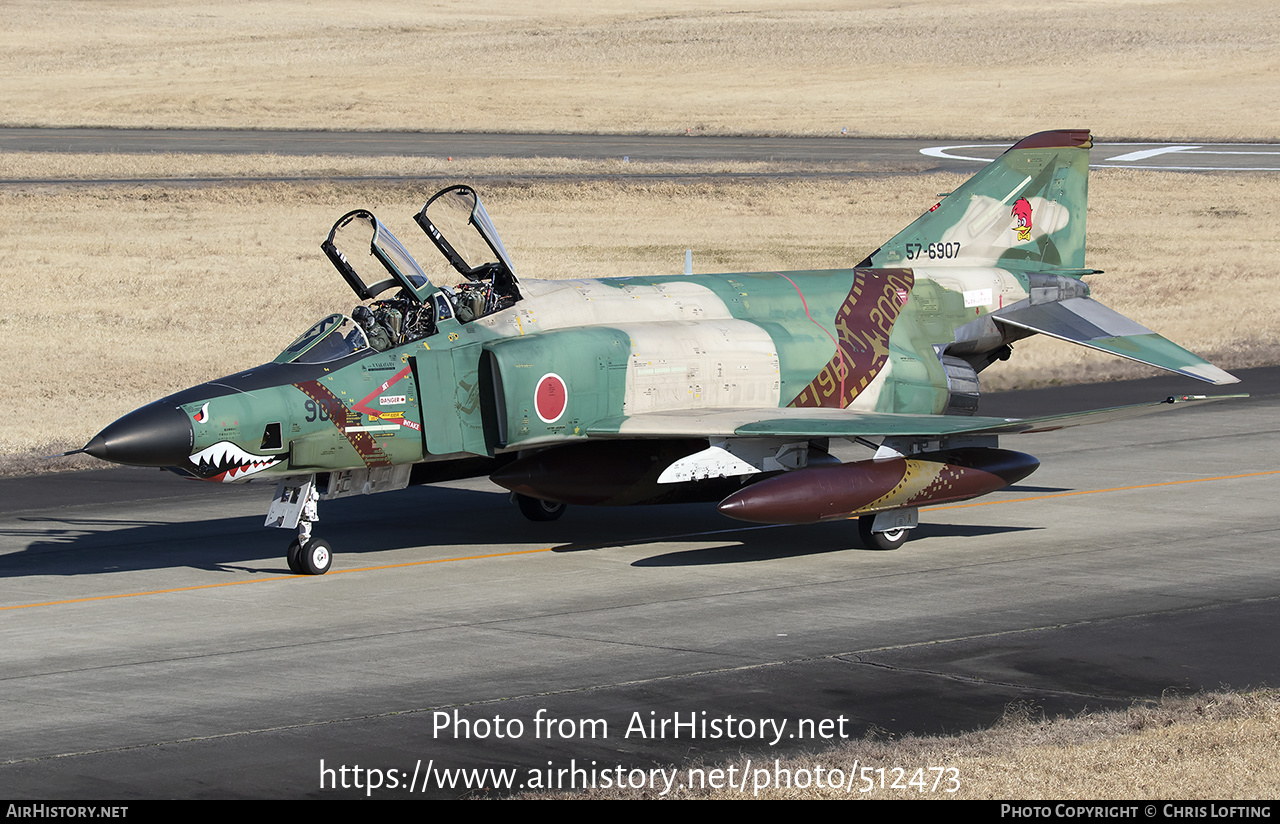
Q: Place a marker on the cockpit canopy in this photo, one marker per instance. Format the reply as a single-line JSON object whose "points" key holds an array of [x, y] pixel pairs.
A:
{"points": [[457, 223], [401, 269], [333, 337]]}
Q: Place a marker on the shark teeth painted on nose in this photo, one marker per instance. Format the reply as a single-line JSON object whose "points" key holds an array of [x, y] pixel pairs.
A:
{"points": [[226, 462]]}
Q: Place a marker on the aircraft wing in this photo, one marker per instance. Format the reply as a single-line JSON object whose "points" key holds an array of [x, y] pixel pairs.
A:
{"points": [[843, 423]]}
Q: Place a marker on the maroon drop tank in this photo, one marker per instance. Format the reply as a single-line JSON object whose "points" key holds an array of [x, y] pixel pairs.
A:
{"points": [[821, 493]]}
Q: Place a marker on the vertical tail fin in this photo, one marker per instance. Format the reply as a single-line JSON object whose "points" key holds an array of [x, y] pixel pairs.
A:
{"points": [[1024, 211]]}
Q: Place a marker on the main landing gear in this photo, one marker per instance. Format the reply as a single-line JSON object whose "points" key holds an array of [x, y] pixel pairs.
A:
{"points": [[889, 539], [536, 509], [887, 530]]}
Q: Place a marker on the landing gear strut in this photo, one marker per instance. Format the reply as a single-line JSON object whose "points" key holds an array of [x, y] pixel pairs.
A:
{"points": [[313, 555], [296, 504]]}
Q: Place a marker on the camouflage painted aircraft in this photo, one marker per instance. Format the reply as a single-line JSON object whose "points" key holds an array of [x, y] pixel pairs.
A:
{"points": [[637, 390]]}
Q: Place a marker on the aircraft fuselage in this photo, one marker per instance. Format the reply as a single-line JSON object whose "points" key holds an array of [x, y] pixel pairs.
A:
{"points": [[863, 339], [656, 389]]}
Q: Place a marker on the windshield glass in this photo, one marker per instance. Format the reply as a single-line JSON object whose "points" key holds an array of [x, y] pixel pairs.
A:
{"points": [[365, 252], [456, 221], [451, 213], [334, 337]]}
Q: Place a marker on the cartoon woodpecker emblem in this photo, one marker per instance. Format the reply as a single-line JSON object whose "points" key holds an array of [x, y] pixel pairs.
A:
{"points": [[1022, 218]]}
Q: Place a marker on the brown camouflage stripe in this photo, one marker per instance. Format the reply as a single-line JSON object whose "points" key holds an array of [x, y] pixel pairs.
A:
{"points": [[863, 324], [340, 416]]}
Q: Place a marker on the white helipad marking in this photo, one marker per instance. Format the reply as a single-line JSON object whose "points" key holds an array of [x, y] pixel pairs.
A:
{"points": [[1127, 160], [1145, 153], [1191, 168], [941, 151]]}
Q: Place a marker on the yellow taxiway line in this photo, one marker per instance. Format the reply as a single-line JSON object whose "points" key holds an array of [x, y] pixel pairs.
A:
{"points": [[490, 555]]}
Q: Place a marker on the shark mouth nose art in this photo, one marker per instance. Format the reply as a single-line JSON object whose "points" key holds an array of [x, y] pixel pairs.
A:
{"points": [[226, 462]]}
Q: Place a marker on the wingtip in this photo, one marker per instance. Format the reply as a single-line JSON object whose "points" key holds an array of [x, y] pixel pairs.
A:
{"points": [[1210, 374]]}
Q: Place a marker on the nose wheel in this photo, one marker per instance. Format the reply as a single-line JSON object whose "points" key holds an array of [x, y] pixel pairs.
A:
{"points": [[312, 558]]}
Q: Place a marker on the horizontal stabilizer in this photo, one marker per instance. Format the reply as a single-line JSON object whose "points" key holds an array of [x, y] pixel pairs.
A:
{"points": [[793, 422], [1089, 323]]}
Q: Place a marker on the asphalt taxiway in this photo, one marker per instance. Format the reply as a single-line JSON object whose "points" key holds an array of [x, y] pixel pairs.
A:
{"points": [[156, 646], [894, 154]]}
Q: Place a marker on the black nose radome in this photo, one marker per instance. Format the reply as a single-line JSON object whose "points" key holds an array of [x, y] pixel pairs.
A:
{"points": [[155, 435]]}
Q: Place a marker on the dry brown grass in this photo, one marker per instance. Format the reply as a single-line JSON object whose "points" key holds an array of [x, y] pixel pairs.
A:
{"points": [[1126, 68], [148, 289], [1215, 745], [76, 166]]}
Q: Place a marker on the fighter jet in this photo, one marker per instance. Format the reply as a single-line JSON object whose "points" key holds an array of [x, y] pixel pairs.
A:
{"points": [[721, 388]]}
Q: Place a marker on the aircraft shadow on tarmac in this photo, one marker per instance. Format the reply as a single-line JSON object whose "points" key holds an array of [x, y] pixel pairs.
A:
{"points": [[814, 539], [470, 521]]}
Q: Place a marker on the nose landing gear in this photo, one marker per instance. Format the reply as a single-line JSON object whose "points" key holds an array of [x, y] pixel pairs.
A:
{"points": [[296, 505]]}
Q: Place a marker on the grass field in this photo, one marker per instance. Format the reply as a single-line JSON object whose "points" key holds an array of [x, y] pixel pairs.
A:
{"points": [[1214, 745], [1125, 68]]}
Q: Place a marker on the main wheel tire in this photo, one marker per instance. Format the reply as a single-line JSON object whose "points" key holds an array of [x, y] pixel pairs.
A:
{"points": [[536, 509], [316, 557], [890, 539], [294, 557]]}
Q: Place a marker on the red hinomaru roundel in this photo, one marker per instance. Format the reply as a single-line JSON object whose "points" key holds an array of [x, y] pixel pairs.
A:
{"points": [[550, 397]]}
